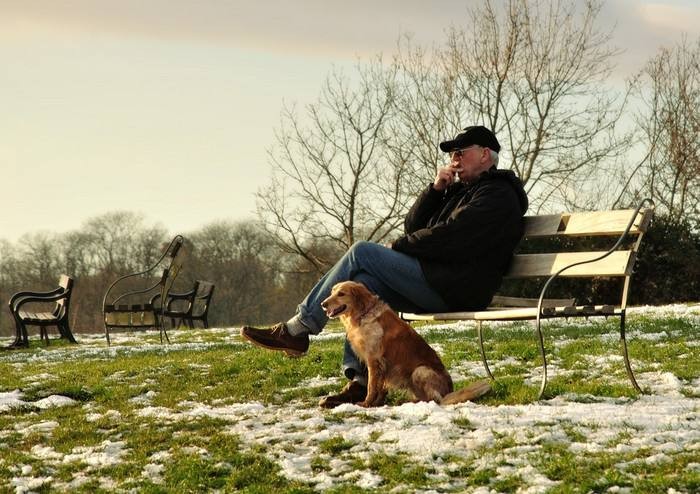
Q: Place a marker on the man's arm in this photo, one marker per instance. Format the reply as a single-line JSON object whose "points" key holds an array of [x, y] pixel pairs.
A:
{"points": [[425, 206], [429, 201], [470, 229]]}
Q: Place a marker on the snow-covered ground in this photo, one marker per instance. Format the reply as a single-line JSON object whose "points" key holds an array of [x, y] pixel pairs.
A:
{"points": [[654, 427]]}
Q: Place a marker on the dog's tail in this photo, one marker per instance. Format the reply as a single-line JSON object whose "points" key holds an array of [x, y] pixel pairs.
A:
{"points": [[469, 393]]}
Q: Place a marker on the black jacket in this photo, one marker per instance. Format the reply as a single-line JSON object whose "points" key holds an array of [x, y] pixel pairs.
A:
{"points": [[464, 237]]}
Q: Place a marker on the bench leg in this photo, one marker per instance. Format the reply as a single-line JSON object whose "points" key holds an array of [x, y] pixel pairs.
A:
{"points": [[628, 366], [20, 331], [540, 342], [25, 335], [66, 332], [481, 349], [161, 327]]}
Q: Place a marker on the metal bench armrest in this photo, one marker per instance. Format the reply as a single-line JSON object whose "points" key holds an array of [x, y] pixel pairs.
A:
{"points": [[28, 299], [135, 292], [19, 295]]}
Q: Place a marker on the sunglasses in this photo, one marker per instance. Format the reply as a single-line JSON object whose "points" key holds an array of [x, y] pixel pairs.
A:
{"points": [[458, 153]]}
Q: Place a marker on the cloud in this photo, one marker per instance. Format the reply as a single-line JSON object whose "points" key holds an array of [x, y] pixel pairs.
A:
{"points": [[309, 26], [670, 19], [640, 29]]}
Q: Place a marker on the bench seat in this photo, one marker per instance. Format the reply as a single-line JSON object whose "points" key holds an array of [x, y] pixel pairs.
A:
{"points": [[517, 313]]}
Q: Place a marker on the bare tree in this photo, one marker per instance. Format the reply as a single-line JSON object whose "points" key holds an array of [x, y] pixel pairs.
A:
{"points": [[77, 253], [536, 72], [335, 178], [39, 257], [240, 259], [121, 243], [669, 119]]}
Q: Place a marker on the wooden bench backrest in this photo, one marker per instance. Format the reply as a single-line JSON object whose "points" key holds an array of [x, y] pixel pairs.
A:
{"points": [[65, 282], [593, 223], [203, 294], [597, 223], [176, 256]]}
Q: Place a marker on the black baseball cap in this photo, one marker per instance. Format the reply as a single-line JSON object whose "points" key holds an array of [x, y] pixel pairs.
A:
{"points": [[476, 134]]}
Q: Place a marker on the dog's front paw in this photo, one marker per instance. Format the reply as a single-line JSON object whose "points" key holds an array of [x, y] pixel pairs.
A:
{"points": [[371, 404]]}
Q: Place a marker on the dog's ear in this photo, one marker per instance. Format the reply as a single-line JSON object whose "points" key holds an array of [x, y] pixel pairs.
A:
{"points": [[362, 297]]}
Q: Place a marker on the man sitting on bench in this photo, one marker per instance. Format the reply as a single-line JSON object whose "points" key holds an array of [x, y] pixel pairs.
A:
{"points": [[459, 238]]}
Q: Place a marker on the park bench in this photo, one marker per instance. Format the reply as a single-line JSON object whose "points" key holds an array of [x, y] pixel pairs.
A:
{"points": [[124, 307], [189, 306], [623, 229], [57, 316]]}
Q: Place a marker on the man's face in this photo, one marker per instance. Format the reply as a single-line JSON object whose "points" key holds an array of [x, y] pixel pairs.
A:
{"points": [[468, 163]]}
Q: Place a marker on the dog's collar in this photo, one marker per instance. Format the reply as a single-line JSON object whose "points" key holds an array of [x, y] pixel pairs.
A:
{"points": [[369, 309]]}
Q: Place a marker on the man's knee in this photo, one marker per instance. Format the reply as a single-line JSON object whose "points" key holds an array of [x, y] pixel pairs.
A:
{"points": [[362, 248], [372, 284]]}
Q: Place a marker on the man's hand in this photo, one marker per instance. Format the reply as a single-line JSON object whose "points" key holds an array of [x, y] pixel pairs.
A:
{"points": [[445, 176]]}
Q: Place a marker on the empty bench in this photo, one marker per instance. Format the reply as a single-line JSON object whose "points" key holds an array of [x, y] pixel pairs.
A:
{"points": [[57, 316], [187, 307], [624, 228], [124, 307]]}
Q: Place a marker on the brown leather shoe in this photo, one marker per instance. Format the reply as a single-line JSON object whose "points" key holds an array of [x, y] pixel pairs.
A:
{"points": [[353, 392], [277, 338]]}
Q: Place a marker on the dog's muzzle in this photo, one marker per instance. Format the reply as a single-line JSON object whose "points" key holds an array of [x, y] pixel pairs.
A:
{"points": [[335, 312]]}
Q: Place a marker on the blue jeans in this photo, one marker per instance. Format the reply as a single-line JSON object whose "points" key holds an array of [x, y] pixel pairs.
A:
{"points": [[395, 277]]}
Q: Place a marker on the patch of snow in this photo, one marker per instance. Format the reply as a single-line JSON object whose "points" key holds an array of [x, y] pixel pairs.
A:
{"points": [[38, 378], [144, 398], [13, 399], [315, 382], [29, 484], [45, 453], [10, 400], [45, 427], [153, 472], [106, 454], [54, 401]]}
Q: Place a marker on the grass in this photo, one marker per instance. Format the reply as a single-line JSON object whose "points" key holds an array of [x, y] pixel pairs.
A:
{"points": [[210, 413]]}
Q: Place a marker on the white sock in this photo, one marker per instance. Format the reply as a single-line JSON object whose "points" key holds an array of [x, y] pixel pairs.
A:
{"points": [[296, 327], [359, 379]]}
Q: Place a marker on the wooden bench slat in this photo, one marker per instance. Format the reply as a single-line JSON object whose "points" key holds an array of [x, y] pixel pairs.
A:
{"points": [[543, 226], [503, 301], [37, 316], [532, 265], [515, 313], [588, 223]]}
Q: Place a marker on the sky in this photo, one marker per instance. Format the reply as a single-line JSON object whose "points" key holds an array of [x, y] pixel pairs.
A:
{"points": [[169, 107]]}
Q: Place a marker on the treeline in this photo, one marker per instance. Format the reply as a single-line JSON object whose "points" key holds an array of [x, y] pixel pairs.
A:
{"points": [[255, 281]]}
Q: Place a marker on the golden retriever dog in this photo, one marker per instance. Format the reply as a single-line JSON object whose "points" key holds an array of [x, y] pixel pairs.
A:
{"points": [[396, 356]]}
